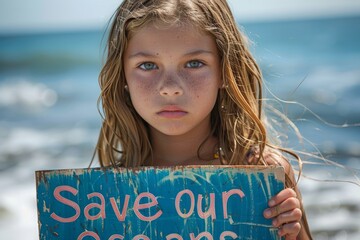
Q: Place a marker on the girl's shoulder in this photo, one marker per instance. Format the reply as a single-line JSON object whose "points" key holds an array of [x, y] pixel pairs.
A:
{"points": [[270, 157], [274, 157]]}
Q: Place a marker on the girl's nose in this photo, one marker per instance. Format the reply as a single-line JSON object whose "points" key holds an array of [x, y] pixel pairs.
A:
{"points": [[171, 87]]}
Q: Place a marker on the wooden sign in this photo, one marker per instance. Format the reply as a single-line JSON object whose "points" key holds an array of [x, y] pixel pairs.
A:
{"points": [[192, 203]]}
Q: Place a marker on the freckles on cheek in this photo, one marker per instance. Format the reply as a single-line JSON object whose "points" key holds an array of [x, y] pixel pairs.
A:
{"points": [[196, 88], [141, 84], [192, 82], [145, 89], [198, 84], [142, 89]]}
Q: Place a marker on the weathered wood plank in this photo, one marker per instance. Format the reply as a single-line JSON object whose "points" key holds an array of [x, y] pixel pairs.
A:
{"points": [[194, 202]]}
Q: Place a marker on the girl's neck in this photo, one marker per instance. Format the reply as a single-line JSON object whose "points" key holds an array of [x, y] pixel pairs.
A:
{"points": [[183, 150]]}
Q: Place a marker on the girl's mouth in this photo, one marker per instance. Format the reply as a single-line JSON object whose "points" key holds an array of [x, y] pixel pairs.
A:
{"points": [[172, 112]]}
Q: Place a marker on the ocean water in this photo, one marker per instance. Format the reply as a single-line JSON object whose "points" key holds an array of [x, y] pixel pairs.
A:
{"points": [[49, 118]]}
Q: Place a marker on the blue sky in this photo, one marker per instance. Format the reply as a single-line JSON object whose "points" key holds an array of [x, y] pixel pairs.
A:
{"points": [[51, 15]]}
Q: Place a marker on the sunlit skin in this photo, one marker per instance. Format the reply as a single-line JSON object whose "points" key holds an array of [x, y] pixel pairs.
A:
{"points": [[173, 76], [173, 79]]}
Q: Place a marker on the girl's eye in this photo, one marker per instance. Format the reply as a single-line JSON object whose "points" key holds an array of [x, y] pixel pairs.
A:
{"points": [[148, 66], [194, 64]]}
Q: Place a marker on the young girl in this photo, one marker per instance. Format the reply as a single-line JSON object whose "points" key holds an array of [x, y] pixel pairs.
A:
{"points": [[180, 87]]}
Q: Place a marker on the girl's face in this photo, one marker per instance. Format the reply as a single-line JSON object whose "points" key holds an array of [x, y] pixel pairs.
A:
{"points": [[173, 77]]}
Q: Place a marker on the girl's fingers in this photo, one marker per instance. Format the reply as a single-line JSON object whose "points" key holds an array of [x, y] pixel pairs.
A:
{"points": [[287, 217], [285, 209], [290, 230], [286, 206], [283, 202], [282, 196]]}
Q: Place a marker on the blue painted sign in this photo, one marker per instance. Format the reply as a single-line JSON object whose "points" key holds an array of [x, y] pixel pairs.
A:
{"points": [[177, 203]]}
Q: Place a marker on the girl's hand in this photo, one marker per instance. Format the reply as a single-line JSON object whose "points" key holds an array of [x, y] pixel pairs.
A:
{"points": [[286, 213]]}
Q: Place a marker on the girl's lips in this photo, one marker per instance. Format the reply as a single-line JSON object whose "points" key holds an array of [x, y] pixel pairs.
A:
{"points": [[172, 112]]}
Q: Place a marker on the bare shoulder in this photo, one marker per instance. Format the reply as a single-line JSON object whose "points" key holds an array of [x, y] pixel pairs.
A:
{"points": [[274, 157]]}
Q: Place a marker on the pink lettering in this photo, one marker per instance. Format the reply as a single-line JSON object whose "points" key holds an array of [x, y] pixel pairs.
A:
{"points": [[228, 234], [142, 237], [211, 209], [192, 203], [152, 203], [174, 236], [116, 236], [201, 235], [66, 201], [226, 196], [101, 207], [120, 216], [88, 234]]}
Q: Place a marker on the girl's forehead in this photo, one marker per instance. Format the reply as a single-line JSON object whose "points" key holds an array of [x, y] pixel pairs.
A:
{"points": [[170, 39], [163, 28]]}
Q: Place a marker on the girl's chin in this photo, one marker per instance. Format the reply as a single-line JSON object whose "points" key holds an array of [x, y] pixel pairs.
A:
{"points": [[171, 131]]}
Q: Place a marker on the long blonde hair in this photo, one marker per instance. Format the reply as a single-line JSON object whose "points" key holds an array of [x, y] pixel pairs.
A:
{"points": [[237, 119]]}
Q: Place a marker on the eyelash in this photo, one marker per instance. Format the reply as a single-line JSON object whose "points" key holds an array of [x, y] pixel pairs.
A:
{"points": [[154, 66], [141, 66], [195, 61]]}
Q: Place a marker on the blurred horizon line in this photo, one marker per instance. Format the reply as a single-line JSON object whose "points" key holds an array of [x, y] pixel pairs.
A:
{"points": [[103, 27]]}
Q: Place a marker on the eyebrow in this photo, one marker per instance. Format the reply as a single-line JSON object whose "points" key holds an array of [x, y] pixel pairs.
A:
{"points": [[198, 52], [141, 54], [191, 53]]}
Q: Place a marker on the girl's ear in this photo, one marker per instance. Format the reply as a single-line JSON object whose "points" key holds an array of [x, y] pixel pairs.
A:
{"points": [[126, 86], [222, 84]]}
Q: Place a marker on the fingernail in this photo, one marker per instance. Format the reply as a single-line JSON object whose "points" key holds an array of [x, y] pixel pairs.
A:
{"points": [[271, 203], [267, 213], [274, 223]]}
